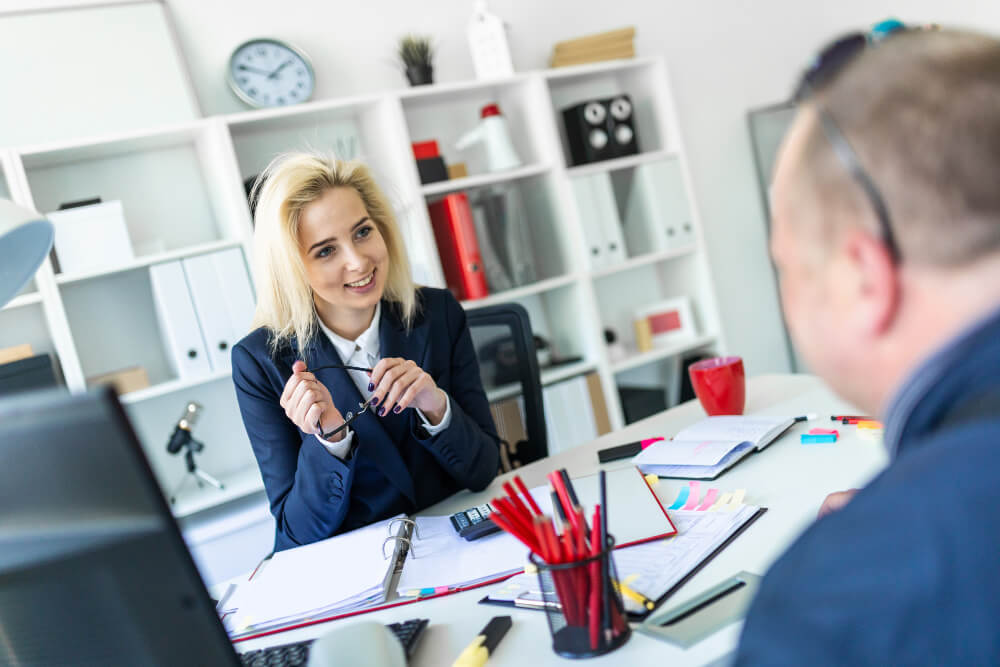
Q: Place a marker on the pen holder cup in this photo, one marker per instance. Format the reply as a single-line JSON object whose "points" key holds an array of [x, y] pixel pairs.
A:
{"points": [[585, 612]]}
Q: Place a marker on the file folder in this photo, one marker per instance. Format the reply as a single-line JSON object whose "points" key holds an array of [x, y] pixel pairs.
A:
{"points": [[178, 322]]}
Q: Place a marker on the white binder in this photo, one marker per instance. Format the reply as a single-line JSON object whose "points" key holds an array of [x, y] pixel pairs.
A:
{"points": [[657, 214], [178, 322], [223, 301], [599, 215]]}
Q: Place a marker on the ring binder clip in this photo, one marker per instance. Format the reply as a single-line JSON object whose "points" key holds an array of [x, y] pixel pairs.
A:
{"points": [[406, 522], [396, 538]]}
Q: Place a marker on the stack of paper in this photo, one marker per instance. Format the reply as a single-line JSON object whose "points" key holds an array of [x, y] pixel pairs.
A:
{"points": [[708, 448]]}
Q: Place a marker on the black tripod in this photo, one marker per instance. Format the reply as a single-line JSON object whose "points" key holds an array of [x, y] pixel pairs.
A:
{"points": [[180, 439]]}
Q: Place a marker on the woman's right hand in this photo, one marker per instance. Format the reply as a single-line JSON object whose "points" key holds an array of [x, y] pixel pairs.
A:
{"points": [[307, 403]]}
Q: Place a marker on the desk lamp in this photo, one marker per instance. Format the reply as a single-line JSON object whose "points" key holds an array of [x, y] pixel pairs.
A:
{"points": [[25, 240]]}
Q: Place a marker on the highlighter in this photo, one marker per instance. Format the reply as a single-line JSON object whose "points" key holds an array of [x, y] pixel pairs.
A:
{"points": [[478, 652]]}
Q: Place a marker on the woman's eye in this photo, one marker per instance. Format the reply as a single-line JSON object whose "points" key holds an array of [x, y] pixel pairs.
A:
{"points": [[325, 252], [364, 232]]}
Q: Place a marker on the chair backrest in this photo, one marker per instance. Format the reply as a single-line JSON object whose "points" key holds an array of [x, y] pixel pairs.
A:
{"points": [[508, 365]]}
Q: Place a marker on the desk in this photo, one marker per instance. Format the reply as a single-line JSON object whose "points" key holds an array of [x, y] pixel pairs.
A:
{"points": [[788, 478]]}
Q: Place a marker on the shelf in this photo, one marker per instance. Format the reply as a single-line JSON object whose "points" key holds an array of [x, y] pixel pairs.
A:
{"points": [[642, 260], [23, 300], [237, 485], [165, 388], [626, 162], [481, 180], [149, 260], [656, 354], [603, 67], [521, 292], [459, 87], [337, 106], [549, 376]]}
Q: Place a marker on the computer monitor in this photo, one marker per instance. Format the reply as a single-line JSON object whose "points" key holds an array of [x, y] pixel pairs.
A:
{"points": [[93, 569]]}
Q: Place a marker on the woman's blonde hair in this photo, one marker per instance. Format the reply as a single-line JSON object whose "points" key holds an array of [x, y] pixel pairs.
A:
{"points": [[287, 185]]}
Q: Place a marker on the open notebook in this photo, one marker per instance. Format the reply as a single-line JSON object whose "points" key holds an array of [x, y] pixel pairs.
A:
{"points": [[710, 447], [353, 571]]}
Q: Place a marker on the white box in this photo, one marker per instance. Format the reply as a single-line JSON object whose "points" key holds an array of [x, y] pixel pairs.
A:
{"points": [[91, 238]]}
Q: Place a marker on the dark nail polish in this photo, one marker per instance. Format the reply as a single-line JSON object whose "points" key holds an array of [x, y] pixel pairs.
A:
{"points": [[397, 409], [381, 411], [371, 386], [374, 400]]}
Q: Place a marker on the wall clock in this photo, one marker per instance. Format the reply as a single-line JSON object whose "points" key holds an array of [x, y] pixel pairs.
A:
{"points": [[266, 72]]}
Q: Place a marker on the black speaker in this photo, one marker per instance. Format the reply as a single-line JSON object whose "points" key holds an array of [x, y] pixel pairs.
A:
{"points": [[601, 129]]}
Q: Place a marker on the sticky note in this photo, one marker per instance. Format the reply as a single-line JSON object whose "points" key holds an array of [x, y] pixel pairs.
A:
{"points": [[652, 480], [869, 424], [824, 431], [724, 500], [681, 498], [693, 496], [808, 439], [737, 500], [709, 500]]}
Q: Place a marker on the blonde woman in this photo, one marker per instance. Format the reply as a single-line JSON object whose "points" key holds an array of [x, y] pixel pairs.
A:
{"points": [[341, 329]]}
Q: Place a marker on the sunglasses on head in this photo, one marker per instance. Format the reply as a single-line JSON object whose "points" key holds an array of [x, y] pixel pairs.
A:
{"points": [[824, 69]]}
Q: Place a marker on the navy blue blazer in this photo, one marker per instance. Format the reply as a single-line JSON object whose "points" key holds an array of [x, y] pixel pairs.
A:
{"points": [[396, 467]]}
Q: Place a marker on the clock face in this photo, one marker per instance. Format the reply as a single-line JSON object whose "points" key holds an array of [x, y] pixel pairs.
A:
{"points": [[270, 73]]}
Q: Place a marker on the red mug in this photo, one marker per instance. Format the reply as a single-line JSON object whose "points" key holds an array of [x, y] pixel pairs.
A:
{"points": [[720, 385]]}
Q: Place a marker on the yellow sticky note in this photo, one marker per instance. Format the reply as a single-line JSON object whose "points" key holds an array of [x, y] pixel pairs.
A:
{"points": [[652, 480], [723, 500], [737, 500]]}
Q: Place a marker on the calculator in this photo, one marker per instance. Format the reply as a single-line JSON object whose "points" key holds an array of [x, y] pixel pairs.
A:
{"points": [[474, 522]]}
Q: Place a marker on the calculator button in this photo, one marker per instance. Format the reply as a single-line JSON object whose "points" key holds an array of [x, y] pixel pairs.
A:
{"points": [[485, 510], [474, 515], [462, 520]]}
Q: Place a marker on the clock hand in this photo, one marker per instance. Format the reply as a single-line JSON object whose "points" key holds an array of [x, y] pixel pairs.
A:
{"points": [[274, 74], [252, 69]]}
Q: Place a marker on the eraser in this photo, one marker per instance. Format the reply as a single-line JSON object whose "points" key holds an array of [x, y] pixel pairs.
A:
{"points": [[808, 439]]}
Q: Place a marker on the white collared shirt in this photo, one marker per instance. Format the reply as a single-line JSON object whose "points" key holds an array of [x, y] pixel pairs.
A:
{"points": [[365, 352]]}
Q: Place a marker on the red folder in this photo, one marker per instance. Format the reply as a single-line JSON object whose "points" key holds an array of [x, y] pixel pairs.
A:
{"points": [[455, 234]]}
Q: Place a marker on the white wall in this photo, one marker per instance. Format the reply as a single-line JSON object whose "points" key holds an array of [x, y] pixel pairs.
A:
{"points": [[725, 57]]}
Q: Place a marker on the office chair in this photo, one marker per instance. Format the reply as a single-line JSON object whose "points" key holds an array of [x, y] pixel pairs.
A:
{"points": [[508, 366]]}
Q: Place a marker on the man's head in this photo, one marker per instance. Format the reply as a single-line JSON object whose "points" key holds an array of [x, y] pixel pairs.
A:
{"points": [[921, 112]]}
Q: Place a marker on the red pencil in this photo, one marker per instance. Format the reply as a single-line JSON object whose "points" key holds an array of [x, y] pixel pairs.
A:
{"points": [[523, 489]]}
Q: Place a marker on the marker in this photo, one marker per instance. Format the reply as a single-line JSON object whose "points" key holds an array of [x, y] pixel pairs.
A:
{"points": [[635, 595], [478, 652], [808, 417], [840, 418]]}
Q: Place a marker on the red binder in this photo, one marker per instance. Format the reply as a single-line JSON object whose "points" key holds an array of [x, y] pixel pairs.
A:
{"points": [[455, 233]]}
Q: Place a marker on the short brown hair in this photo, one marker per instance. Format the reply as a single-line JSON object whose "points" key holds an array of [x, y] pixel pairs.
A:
{"points": [[922, 112]]}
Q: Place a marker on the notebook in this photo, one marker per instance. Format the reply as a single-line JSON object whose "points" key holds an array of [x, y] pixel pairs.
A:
{"points": [[655, 569], [710, 447], [352, 573]]}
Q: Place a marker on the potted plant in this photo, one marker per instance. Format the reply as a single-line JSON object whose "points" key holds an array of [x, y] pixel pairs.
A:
{"points": [[417, 53]]}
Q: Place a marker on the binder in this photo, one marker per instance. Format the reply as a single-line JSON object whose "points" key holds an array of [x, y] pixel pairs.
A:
{"points": [[178, 322], [602, 228], [657, 213], [223, 301], [455, 233]]}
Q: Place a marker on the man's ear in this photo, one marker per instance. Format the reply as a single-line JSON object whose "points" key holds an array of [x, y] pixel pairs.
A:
{"points": [[874, 281]]}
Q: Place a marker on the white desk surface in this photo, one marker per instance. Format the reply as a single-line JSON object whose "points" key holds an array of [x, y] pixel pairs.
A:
{"points": [[788, 478]]}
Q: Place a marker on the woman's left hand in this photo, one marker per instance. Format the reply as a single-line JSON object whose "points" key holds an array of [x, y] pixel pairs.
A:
{"points": [[400, 384]]}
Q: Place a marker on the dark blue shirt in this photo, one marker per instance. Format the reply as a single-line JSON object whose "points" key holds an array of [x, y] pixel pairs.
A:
{"points": [[907, 572]]}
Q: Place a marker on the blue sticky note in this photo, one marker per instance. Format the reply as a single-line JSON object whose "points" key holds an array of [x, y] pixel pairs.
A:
{"points": [[808, 438], [681, 498]]}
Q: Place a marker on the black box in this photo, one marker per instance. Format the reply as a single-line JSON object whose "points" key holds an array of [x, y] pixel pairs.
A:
{"points": [[641, 402], [35, 372], [601, 129], [432, 170]]}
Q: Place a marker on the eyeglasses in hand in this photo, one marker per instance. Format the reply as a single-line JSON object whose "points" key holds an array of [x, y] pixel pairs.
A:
{"points": [[349, 416]]}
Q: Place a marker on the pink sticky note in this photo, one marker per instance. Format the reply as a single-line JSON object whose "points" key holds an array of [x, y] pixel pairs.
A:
{"points": [[648, 441], [695, 494], [824, 431], [709, 500]]}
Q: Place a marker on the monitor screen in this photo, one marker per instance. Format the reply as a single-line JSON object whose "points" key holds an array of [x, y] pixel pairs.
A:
{"points": [[93, 569]]}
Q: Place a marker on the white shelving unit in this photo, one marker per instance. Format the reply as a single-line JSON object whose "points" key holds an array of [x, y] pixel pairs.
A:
{"points": [[182, 189]]}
